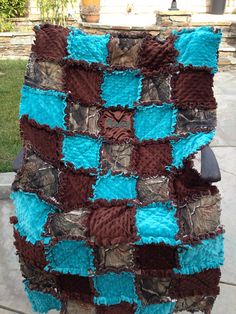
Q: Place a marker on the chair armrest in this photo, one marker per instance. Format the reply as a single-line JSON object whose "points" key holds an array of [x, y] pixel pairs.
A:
{"points": [[210, 170], [18, 162]]}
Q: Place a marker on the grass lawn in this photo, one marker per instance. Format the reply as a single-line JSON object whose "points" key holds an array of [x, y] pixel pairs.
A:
{"points": [[11, 79]]}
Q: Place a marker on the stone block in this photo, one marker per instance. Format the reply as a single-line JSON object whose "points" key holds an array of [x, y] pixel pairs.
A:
{"points": [[175, 18]]}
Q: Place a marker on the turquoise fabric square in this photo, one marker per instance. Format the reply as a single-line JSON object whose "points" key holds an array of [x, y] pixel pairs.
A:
{"points": [[32, 214], [44, 106], [157, 223], [206, 255], [82, 151], [121, 88], [71, 257], [154, 122], [115, 187], [160, 308], [184, 147], [90, 48], [114, 288], [198, 47], [41, 302]]}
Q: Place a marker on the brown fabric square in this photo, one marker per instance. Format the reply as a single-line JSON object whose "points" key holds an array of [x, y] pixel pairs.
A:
{"points": [[195, 120], [38, 279], [115, 257], [71, 224], [156, 54], [83, 82], [156, 88], [84, 119], [112, 225], [75, 287], [33, 255], [78, 307], [124, 51], [193, 89], [151, 158], [201, 216], [116, 157], [116, 124], [195, 304], [75, 188], [155, 189], [50, 42], [153, 289], [122, 308], [36, 176], [156, 256], [205, 282], [188, 186], [43, 74], [45, 142], [156, 289]]}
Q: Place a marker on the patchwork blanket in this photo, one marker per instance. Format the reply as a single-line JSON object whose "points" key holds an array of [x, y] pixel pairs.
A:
{"points": [[110, 215]]}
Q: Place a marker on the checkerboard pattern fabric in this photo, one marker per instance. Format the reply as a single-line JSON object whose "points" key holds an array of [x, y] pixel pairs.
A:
{"points": [[110, 215]]}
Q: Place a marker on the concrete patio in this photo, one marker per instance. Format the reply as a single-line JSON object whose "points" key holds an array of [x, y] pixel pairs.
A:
{"points": [[12, 298]]}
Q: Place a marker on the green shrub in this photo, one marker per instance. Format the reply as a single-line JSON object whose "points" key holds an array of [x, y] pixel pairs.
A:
{"points": [[54, 11], [13, 8], [5, 25]]}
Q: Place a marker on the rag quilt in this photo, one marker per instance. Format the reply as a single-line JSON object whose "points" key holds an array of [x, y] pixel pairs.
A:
{"points": [[111, 217]]}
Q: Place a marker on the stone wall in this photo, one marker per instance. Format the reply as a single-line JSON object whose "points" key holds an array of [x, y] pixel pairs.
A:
{"points": [[17, 45]]}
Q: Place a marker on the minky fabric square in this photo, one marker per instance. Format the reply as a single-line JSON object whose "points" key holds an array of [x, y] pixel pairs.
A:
{"points": [[110, 215]]}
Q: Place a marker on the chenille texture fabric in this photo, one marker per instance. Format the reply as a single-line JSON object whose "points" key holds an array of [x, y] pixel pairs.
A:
{"points": [[110, 215]]}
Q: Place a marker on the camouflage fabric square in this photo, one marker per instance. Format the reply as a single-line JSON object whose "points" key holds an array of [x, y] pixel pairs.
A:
{"points": [[110, 215]]}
